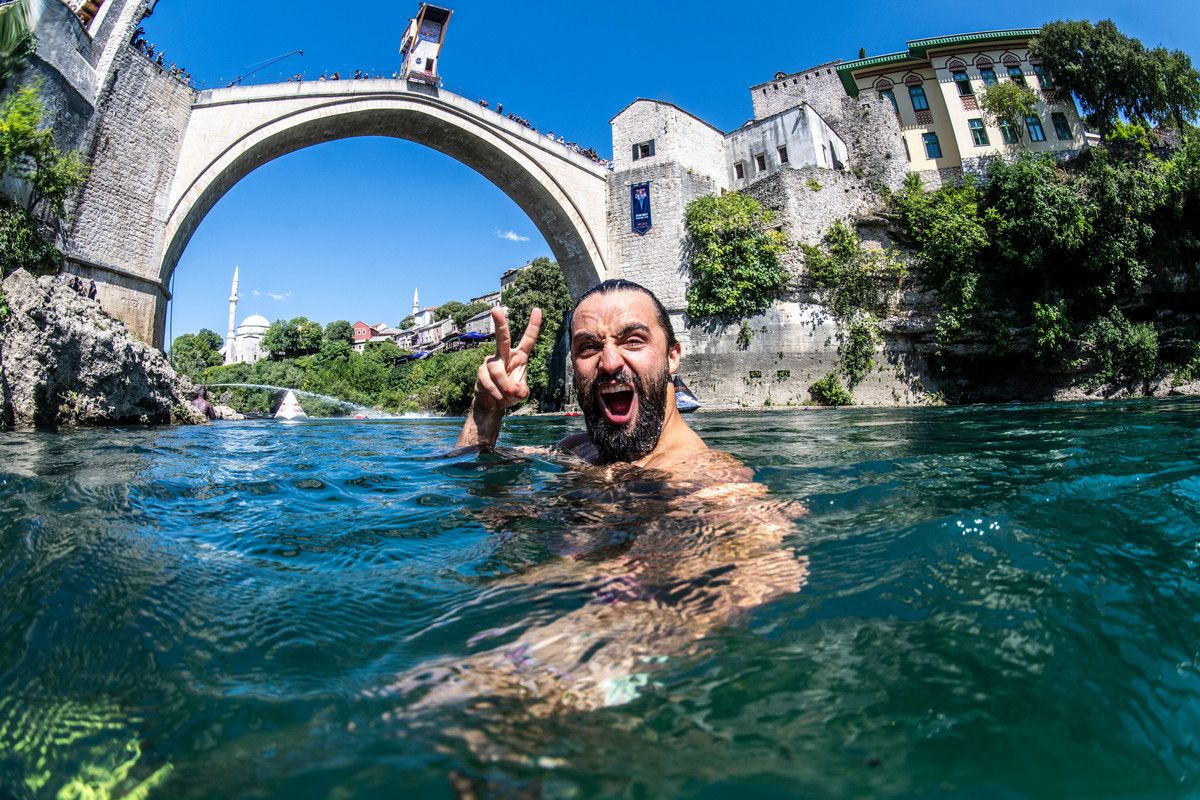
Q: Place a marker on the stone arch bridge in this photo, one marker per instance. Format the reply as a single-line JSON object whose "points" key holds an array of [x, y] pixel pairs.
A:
{"points": [[163, 155]]}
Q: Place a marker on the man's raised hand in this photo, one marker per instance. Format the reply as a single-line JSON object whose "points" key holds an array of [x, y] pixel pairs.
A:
{"points": [[501, 378]]}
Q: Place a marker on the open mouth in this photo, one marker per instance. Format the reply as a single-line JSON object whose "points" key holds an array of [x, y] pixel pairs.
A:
{"points": [[618, 402]]}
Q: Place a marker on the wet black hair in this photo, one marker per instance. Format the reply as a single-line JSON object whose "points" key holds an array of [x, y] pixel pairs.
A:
{"points": [[622, 285]]}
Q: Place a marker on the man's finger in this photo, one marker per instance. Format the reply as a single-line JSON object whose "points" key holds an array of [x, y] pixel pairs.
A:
{"points": [[485, 384], [503, 339], [529, 338], [498, 372]]}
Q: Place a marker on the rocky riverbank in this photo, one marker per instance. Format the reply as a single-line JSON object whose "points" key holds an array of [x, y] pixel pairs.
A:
{"points": [[63, 361]]}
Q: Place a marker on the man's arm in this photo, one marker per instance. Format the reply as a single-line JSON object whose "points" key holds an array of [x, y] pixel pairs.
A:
{"points": [[500, 382]]}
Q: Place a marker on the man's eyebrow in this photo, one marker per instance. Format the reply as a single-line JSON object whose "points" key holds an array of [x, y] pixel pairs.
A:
{"points": [[585, 336], [633, 327]]}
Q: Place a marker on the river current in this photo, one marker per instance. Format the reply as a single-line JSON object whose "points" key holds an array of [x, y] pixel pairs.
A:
{"points": [[994, 601]]}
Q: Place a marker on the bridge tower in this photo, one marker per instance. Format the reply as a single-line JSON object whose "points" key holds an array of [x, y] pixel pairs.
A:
{"points": [[422, 44]]}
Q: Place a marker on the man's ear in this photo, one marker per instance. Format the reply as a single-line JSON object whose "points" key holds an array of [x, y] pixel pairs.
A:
{"points": [[674, 356]]}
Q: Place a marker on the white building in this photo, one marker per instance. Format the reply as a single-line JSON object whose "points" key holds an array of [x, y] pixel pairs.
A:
{"points": [[247, 341]]}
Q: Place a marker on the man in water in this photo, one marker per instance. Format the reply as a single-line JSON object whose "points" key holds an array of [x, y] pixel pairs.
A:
{"points": [[202, 404], [625, 353], [707, 543]]}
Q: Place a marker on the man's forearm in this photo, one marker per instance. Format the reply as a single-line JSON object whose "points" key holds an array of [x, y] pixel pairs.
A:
{"points": [[482, 427]]}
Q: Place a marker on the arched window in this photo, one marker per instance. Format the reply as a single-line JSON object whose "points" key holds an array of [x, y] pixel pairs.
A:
{"points": [[956, 63]]}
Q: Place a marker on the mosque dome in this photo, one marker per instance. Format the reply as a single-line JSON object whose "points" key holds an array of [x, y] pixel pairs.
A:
{"points": [[254, 321]]}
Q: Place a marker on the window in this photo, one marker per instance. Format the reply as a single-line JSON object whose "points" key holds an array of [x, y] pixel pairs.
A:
{"points": [[978, 132], [963, 82], [1034, 126], [643, 150], [891, 98], [989, 76], [932, 148], [739, 169], [917, 94], [429, 65], [1017, 76], [1061, 126], [1008, 132], [1043, 77], [783, 157], [760, 162]]}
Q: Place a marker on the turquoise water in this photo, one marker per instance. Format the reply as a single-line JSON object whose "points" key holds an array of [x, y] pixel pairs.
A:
{"points": [[999, 602]]}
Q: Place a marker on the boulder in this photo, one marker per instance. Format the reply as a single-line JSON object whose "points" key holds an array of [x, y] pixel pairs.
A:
{"points": [[63, 361]]}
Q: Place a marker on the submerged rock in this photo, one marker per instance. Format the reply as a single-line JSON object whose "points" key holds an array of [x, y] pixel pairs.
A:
{"points": [[63, 361]]}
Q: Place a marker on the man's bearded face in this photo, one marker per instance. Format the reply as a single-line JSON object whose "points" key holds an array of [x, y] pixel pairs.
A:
{"points": [[622, 372], [606, 399]]}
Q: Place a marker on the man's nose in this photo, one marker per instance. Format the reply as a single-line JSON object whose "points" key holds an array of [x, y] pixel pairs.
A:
{"points": [[610, 358]]}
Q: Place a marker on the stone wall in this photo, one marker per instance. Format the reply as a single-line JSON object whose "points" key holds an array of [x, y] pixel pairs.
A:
{"points": [[121, 214], [867, 123], [657, 259], [678, 137], [792, 345]]}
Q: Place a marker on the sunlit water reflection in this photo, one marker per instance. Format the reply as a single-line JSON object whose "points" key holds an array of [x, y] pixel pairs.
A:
{"points": [[992, 601]]}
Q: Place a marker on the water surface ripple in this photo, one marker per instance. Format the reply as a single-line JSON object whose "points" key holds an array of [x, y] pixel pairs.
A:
{"points": [[1000, 602]]}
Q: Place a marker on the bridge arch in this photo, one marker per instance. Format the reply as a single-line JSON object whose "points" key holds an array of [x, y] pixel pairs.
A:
{"points": [[232, 132]]}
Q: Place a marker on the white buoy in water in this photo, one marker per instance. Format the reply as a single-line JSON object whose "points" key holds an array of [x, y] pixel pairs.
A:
{"points": [[290, 408]]}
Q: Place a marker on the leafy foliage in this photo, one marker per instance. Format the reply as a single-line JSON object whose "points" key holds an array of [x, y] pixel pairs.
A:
{"points": [[293, 337], [857, 352], [735, 257], [828, 391], [1114, 75], [192, 353], [542, 285], [458, 312], [22, 246], [849, 277], [28, 152], [377, 377], [1121, 350], [17, 42], [1010, 103], [339, 330], [1034, 263]]}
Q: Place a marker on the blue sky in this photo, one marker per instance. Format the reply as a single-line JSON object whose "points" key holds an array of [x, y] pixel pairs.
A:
{"points": [[324, 232]]}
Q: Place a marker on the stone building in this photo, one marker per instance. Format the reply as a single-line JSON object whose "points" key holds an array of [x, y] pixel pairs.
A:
{"points": [[247, 342]]}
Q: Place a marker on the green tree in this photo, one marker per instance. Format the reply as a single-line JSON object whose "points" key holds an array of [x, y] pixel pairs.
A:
{"points": [[1009, 104], [849, 277], [735, 250], [192, 353], [1178, 84], [17, 42], [28, 152], [21, 246], [338, 331], [1108, 72], [540, 285], [406, 323], [293, 337]]}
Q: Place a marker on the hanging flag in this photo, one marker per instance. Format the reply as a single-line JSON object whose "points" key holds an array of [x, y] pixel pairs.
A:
{"points": [[639, 206]]}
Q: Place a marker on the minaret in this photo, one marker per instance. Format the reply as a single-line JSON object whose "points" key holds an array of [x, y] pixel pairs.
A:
{"points": [[416, 305], [229, 336]]}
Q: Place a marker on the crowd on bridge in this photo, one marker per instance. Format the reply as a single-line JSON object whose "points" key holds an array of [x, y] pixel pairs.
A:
{"points": [[359, 75], [586, 152], [158, 58]]}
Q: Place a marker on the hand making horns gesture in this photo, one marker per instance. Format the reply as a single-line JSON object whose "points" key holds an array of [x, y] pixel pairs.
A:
{"points": [[501, 378]]}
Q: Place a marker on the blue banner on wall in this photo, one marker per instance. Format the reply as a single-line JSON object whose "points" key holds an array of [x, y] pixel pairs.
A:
{"points": [[639, 206]]}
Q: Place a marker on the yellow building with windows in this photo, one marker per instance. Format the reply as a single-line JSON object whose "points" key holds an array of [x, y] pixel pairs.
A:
{"points": [[934, 86]]}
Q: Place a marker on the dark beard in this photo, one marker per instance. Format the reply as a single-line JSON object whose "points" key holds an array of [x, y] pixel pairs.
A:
{"points": [[620, 442]]}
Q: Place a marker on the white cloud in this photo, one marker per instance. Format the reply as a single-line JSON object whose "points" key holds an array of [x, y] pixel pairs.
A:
{"points": [[279, 295], [257, 293], [511, 236]]}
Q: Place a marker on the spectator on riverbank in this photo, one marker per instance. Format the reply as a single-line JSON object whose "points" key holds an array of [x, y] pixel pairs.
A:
{"points": [[92, 291]]}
